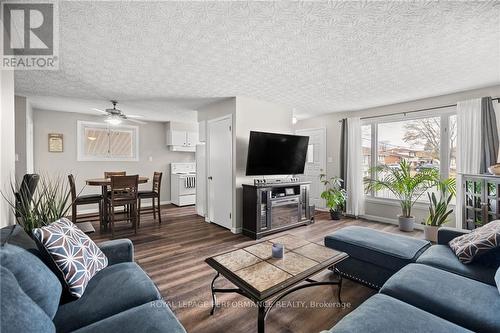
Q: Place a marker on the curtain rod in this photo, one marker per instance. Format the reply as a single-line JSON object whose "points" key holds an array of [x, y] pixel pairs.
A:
{"points": [[419, 110]]}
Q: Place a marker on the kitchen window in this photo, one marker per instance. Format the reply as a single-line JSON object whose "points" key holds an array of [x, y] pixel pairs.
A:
{"points": [[425, 140], [103, 142]]}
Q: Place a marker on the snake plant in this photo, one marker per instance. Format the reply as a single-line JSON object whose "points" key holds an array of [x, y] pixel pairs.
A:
{"points": [[438, 209]]}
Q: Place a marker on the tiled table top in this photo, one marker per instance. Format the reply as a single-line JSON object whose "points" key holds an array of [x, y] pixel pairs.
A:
{"points": [[255, 266]]}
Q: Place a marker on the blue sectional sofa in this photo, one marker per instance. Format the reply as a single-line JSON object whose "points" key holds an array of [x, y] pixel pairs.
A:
{"points": [[374, 256], [120, 298], [433, 292]]}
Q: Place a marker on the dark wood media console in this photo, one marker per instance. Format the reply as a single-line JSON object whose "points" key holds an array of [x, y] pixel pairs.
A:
{"points": [[271, 208]]}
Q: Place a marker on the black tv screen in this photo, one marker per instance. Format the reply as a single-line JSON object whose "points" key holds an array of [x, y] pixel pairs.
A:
{"points": [[276, 154]]}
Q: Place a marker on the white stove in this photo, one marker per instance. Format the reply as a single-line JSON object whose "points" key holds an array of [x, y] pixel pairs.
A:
{"points": [[183, 183]]}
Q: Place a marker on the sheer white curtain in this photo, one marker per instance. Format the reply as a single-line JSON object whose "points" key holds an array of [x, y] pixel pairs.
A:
{"points": [[355, 204], [468, 146]]}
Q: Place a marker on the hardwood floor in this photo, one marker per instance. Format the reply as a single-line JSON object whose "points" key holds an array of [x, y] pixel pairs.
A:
{"points": [[173, 255]]}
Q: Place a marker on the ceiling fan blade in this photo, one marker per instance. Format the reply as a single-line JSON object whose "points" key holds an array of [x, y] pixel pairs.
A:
{"points": [[134, 116], [99, 110], [137, 121]]}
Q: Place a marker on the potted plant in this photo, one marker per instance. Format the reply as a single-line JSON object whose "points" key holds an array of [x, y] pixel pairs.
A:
{"points": [[334, 195], [50, 201], [406, 186], [438, 209]]}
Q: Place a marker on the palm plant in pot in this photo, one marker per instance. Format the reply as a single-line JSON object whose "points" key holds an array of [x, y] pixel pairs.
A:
{"points": [[334, 195], [438, 209], [406, 186]]}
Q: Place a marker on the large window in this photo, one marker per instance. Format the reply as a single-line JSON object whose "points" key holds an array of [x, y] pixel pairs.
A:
{"points": [[426, 141], [366, 146], [101, 142]]}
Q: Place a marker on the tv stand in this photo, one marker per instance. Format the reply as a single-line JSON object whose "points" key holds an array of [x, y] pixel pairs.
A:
{"points": [[272, 208]]}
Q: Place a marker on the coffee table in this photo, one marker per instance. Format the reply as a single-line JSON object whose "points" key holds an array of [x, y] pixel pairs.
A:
{"points": [[259, 277]]}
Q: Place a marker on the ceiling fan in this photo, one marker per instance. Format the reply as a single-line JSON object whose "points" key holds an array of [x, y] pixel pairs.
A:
{"points": [[115, 116]]}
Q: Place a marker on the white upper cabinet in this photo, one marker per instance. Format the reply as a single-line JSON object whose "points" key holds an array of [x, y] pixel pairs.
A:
{"points": [[177, 138], [181, 136], [192, 138]]}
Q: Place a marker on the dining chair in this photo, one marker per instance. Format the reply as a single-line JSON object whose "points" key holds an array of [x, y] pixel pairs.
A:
{"points": [[124, 193], [108, 174], [25, 194], [88, 199], [153, 194]]}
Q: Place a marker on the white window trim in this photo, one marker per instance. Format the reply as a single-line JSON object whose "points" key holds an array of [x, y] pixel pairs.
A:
{"points": [[80, 144], [444, 148], [396, 202]]}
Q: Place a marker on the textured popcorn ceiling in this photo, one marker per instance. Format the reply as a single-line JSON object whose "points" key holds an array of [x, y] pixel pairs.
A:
{"points": [[317, 57]]}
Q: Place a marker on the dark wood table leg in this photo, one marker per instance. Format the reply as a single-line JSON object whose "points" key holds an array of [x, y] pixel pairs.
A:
{"points": [[261, 317], [340, 287], [214, 299], [339, 280], [222, 290], [105, 219]]}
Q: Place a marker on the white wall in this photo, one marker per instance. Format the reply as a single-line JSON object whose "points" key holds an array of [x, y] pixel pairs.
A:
{"points": [[254, 115], [21, 136], [217, 109], [213, 111], [248, 114], [378, 210], [152, 143], [30, 162], [7, 139]]}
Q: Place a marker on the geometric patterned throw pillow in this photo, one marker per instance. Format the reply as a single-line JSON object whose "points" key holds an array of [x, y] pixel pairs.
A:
{"points": [[74, 253], [470, 246]]}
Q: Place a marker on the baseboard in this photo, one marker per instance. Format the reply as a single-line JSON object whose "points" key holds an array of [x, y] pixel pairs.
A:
{"points": [[236, 230], [144, 204], [379, 219], [388, 220]]}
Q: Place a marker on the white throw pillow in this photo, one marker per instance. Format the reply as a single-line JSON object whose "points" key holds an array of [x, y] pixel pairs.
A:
{"points": [[74, 253]]}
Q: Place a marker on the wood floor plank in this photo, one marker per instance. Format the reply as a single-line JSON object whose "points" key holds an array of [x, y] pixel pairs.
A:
{"points": [[173, 255]]}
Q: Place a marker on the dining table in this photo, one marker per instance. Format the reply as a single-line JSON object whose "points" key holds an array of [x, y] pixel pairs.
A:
{"points": [[105, 184]]}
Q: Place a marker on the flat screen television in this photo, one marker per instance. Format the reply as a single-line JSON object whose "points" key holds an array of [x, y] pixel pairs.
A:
{"points": [[276, 154]]}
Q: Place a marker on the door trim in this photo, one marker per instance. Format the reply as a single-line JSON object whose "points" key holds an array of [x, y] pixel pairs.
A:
{"points": [[210, 121], [325, 149]]}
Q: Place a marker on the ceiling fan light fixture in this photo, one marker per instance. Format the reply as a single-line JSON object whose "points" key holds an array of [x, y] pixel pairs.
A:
{"points": [[113, 120]]}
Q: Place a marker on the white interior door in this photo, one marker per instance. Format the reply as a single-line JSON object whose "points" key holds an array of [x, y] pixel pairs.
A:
{"points": [[315, 163], [220, 171]]}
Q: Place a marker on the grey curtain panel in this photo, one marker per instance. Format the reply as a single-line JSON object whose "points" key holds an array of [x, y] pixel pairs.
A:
{"points": [[343, 152], [489, 135]]}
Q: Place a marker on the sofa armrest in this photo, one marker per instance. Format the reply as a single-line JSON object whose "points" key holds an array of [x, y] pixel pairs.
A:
{"points": [[118, 250], [446, 234]]}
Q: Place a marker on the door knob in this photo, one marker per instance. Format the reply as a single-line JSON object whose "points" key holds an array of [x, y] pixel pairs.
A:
{"points": [[209, 177]]}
